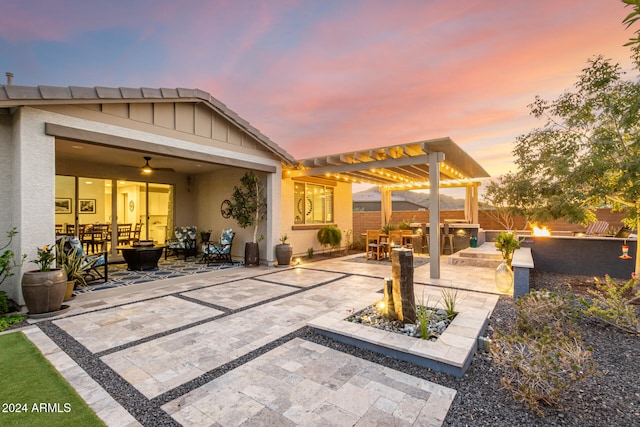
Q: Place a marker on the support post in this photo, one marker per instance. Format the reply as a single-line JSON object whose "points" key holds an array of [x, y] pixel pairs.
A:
{"points": [[434, 214]]}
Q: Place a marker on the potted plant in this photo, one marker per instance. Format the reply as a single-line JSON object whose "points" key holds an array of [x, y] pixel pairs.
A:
{"points": [[248, 206], [205, 235], [506, 243], [284, 251], [74, 264], [44, 289]]}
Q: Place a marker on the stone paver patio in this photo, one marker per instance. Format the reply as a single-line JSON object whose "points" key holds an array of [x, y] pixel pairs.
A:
{"points": [[221, 348]]}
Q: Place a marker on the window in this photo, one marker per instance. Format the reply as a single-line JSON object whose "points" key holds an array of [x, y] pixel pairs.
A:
{"points": [[313, 203]]}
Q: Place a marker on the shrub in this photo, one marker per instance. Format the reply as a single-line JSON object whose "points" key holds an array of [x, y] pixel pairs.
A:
{"points": [[4, 305], [330, 236], [609, 303], [544, 357], [540, 309], [404, 225], [387, 228], [7, 257], [449, 301], [423, 316]]}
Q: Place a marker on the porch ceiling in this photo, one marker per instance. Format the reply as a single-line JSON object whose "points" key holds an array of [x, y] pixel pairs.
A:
{"points": [[397, 167]]}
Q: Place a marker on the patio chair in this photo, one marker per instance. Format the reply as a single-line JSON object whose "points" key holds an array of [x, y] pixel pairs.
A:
{"points": [[184, 242], [376, 248], [98, 269], [395, 238], [221, 251], [597, 228]]}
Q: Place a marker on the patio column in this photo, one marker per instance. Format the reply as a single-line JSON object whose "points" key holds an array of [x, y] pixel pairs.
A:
{"points": [[434, 213], [385, 205], [471, 203], [274, 214]]}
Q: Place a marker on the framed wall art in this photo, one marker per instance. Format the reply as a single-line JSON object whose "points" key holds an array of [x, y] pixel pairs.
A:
{"points": [[63, 205], [87, 206]]}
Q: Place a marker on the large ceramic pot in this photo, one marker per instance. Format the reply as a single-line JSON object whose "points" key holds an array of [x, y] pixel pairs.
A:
{"points": [[251, 254], [283, 254], [44, 291]]}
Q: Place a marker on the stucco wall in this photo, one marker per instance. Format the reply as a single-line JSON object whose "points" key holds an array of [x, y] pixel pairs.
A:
{"points": [[303, 239], [212, 189], [34, 191], [8, 196]]}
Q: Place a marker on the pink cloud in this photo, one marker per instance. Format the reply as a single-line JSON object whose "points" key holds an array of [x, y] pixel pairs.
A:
{"points": [[325, 77]]}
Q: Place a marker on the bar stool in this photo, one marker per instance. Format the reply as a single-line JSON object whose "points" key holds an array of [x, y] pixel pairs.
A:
{"points": [[446, 235]]}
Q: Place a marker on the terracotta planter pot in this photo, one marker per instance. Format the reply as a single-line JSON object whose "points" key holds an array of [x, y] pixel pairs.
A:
{"points": [[251, 254], [44, 291]]}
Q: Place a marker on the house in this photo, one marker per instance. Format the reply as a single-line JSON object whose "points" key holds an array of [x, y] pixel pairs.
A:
{"points": [[73, 155]]}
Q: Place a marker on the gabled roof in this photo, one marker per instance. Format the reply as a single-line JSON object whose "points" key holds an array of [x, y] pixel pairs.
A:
{"points": [[12, 96], [397, 167]]}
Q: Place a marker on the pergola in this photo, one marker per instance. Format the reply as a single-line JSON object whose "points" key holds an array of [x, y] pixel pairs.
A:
{"points": [[405, 167]]}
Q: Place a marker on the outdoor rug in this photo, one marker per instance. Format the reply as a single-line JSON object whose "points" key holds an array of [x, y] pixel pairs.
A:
{"points": [[418, 260], [119, 276]]}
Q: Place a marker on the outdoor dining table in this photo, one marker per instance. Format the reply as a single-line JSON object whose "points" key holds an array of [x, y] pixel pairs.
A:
{"points": [[407, 239]]}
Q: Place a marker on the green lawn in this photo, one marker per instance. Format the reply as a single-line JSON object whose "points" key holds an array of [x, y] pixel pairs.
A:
{"points": [[33, 393]]}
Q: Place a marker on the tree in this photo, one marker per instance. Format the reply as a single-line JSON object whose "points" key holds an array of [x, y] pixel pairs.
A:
{"points": [[249, 205], [586, 155]]}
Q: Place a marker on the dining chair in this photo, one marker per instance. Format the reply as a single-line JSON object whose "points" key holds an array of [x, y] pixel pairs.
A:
{"points": [[99, 234], [407, 239], [135, 233], [124, 234], [395, 239], [376, 248]]}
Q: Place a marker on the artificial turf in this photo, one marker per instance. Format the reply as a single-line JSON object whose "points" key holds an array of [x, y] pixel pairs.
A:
{"points": [[33, 393]]}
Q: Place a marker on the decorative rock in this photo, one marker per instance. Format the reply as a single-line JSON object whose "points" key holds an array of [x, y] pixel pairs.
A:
{"points": [[372, 316], [403, 295]]}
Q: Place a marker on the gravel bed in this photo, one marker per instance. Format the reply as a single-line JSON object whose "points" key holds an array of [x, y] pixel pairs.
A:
{"points": [[612, 399]]}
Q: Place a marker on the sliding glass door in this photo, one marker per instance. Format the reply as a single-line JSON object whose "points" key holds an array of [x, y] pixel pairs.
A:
{"points": [[83, 202]]}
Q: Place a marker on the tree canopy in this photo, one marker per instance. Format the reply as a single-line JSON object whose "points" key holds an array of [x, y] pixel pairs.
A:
{"points": [[586, 154]]}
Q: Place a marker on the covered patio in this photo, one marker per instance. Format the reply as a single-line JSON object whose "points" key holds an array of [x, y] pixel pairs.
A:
{"points": [[404, 167]]}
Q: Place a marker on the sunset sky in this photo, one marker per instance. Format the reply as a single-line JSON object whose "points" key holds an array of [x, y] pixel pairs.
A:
{"points": [[323, 77]]}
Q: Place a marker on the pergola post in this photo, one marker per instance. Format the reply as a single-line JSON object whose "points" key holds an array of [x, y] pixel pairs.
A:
{"points": [[385, 206], [434, 213]]}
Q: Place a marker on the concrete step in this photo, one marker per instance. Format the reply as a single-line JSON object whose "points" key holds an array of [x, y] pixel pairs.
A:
{"points": [[484, 256]]}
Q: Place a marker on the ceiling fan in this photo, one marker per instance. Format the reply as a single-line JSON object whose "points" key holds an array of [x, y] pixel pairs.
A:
{"points": [[147, 169]]}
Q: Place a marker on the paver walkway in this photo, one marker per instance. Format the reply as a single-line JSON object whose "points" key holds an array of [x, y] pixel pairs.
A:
{"points": [[225, 348]]}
